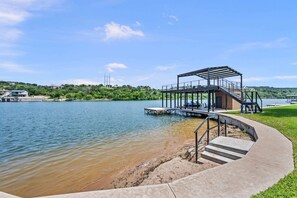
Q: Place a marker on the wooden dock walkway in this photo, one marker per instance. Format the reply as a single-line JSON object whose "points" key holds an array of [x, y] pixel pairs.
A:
{"points": [[159, 110], [201, 112]]}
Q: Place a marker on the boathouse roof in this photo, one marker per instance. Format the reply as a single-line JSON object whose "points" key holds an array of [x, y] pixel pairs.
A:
{"points": [[213, 72]]}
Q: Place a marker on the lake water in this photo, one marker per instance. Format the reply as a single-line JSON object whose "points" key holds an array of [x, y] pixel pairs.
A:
{"points": [[51, 148]]}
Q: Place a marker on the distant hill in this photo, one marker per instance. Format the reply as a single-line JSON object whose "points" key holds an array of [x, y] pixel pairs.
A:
{"points": [[273, 92], [86, 92], [125, 92]]}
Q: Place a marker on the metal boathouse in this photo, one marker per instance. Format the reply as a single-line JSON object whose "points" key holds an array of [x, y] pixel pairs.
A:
{"points": [[221, 86]]}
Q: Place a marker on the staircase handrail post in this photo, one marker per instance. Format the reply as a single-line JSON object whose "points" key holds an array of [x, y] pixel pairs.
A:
{"points": [[219, 125], [252, 96], [196, 138], [260, 100], [225, 127], [256, 101], [261, 103], [196, 147], [207, 130]]}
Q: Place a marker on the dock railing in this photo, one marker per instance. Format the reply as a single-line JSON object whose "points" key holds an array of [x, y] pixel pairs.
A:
{"points": [[231, 86]]}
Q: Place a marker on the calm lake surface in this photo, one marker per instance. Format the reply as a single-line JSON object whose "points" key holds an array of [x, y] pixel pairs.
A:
{"points": [[50, 148]]}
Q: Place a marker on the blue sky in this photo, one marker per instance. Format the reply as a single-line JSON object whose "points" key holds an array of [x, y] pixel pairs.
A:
{"points": [[146, 42]]}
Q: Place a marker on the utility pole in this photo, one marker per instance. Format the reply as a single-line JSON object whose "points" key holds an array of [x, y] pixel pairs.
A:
{"points": [[106, 80]]}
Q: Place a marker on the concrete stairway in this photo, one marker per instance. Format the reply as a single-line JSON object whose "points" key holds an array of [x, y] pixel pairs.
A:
{"points": [[222, 150]]}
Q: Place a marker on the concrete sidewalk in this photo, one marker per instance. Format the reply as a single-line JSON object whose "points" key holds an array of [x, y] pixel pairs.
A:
{"points": [[269, 159]]}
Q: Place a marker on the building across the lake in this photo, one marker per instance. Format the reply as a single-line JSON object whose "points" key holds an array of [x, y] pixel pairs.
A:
{"points": [[222, 87], [18, 93], [19, 96]]}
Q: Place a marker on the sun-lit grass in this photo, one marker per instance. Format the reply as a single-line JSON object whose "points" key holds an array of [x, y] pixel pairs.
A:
{"points": [[283, 119]]}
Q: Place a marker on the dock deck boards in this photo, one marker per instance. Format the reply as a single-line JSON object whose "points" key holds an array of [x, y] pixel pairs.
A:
{"points": [[195, 111]]}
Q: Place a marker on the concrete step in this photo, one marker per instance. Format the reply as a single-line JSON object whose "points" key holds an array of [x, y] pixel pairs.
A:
{"points": [[232, 144], [223, 152], [215, 158], [206, 161]]}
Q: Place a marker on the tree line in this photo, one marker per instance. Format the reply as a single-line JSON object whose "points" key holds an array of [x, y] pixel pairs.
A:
{"points": [[86, 92], [125, 92], [275, 93]]}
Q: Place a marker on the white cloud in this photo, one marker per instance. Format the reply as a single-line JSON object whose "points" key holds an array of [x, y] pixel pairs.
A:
{"points": [[7, 49], [144, 78], [16, 68], [116, 81], [13, 17], [173, 17], [165, 68], [8, 52], [253, 79], [115, 31], [137, 24], [13, 13], [278, 43], [112, 66], [286, 77], [80, 82], [10, 35]]}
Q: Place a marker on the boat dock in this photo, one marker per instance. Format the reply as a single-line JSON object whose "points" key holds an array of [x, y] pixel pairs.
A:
{"points": [[216, 85], [178, 111], [159, 110]]}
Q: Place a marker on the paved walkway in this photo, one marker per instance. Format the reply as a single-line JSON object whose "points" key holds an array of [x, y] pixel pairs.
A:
{"points": [[269, 159]]}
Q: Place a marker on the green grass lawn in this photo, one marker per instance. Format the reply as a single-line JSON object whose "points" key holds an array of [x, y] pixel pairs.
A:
{"points": [[283, 119]]}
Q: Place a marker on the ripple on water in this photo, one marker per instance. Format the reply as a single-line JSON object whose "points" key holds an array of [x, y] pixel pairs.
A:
{"points": [[50, 148]]}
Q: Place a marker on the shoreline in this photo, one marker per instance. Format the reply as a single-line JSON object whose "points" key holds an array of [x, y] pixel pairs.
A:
{"points": [[165, 168], [135, 174]]}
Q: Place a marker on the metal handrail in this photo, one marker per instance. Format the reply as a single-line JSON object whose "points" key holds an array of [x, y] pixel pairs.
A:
{"points": [[254, 100], [260, 100], [247, 96], [202, 136], [197, 141], [197, 129], [196, 137]]}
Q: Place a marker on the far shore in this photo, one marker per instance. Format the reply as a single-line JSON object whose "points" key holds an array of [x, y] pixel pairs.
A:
{"points": [[46, 99]]}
